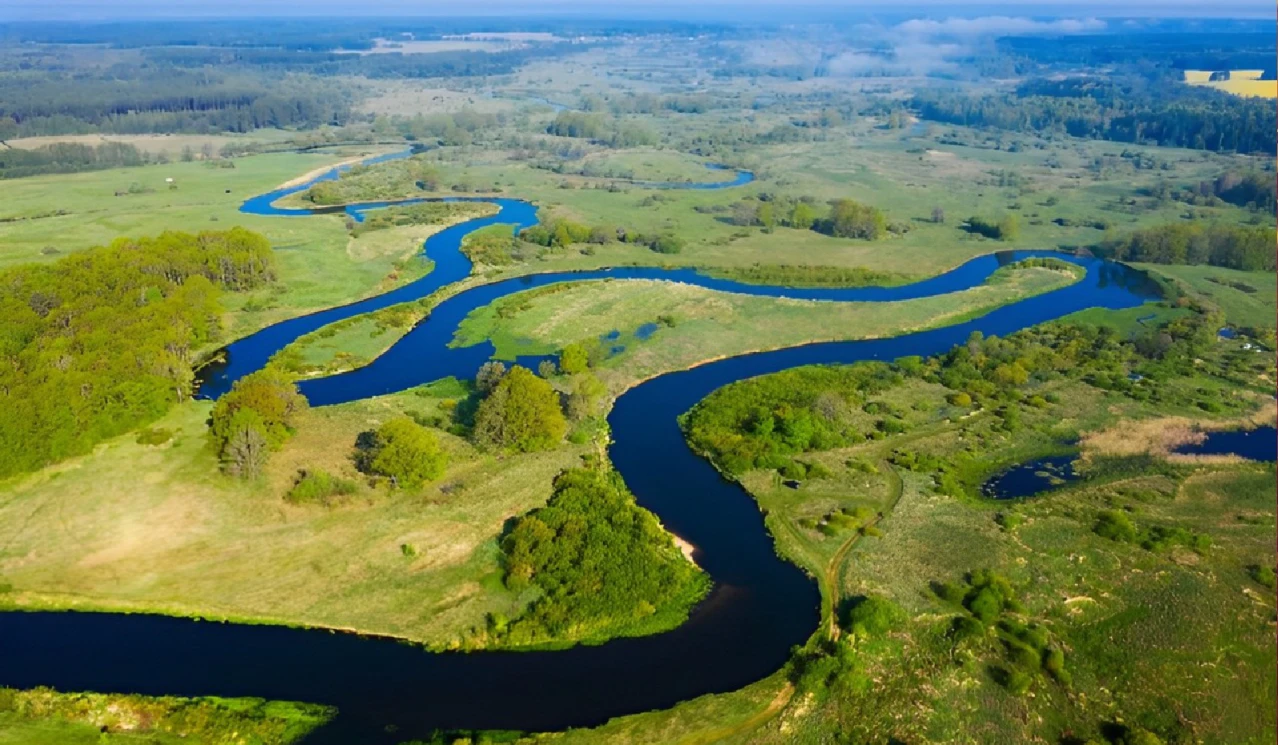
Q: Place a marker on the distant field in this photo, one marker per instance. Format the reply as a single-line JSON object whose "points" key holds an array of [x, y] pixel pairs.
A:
{"points": [[652, 165], [391, 46], [412, 97], [1240, 83], [45, 217], [171, 145], [69, 212]]}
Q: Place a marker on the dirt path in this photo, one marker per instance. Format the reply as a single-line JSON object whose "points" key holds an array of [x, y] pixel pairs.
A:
{"points": [[830, 578], [758, 720]]}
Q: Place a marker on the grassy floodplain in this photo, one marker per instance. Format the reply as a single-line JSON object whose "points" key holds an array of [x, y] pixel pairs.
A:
{"points": [[218, 533], [1175, 639], [46, 717], [1247, 298], [145, 506], [662, 326], [321, 265]]}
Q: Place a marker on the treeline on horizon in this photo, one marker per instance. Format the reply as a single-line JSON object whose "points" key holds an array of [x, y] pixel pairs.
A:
{"points": [[69, 157], [217, 89], [1155, 110], [104, 341], [320, 34], [149, 101], [1176, 44], [1243, 247]]}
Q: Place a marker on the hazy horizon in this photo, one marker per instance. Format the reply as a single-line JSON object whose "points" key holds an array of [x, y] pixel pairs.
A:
{"points": [[707, 10]]}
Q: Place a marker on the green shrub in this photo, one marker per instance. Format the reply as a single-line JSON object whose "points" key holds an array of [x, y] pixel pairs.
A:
{"points": [[1116, 526], [154, 436], [871, 615], [1161, 538], [793, 469], [1054, 664], [1016, 682], [319, 486], [965, 627], [1263, 574], [1009, 521], [403, 451], [1023, 656]]}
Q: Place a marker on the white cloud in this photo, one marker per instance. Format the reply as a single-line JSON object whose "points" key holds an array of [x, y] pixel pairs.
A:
{"points": [[907, 58], [997, 25]]}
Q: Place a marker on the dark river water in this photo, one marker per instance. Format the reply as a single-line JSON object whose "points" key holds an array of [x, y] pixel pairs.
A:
{"points": [[761, 606], [1260, 444], [1032, 477]]}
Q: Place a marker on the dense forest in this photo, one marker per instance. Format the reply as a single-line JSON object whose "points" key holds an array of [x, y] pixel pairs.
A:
{"points": [[103, 341], [1235, 247], [1255, 191], [604, 565], [146, 100], [1200, 45], [1156, 110]]}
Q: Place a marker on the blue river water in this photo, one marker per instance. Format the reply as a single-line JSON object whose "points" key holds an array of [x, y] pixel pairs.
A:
{"points": [[387, 691]]}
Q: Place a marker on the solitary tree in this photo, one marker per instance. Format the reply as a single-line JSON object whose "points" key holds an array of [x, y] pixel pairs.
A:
{"points": [[767, 216], [521, 414], [1009, 229], [245, 451], [257, 415], [938, 215]]}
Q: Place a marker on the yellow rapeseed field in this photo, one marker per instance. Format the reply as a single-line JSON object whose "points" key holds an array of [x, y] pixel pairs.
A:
{"points": [[1240, 83]]}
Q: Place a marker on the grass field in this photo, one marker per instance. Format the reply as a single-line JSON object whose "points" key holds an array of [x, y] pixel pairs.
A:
{"points": [[685, 325], [1247, 298], [650, 165], [45, 717], [171, 145], [320, 264], [94, 532]]}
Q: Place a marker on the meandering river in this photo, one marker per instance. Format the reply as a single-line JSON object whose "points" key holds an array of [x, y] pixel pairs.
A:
{"points": [[388, 691]]}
